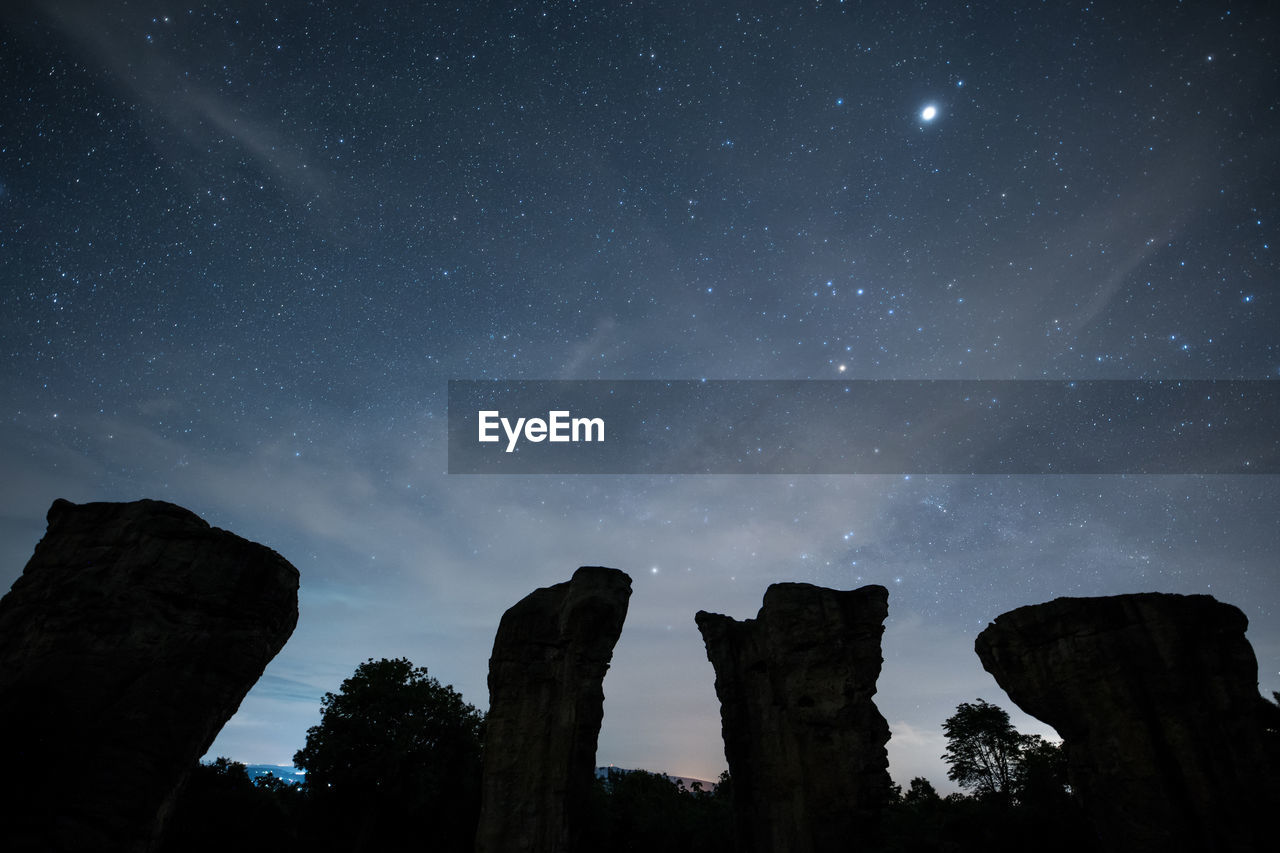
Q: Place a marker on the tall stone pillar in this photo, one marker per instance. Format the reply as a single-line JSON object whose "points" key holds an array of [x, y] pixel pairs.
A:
{"points": [[804, 740], [546, 703]]}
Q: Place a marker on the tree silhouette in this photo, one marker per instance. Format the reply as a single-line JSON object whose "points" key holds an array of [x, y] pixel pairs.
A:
{"points": [[983, 749], [395, 759], [1042, 773], [636, 810], [920, 791], [220, 808]]}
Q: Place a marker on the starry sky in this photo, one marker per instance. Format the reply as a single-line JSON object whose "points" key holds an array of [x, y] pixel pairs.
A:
{"points": [[244, 247]]}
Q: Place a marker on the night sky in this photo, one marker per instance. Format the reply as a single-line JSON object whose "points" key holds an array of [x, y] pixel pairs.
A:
{"points": [[243, 250]]}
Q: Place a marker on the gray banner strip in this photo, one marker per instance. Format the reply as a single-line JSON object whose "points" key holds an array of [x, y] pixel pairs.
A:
{"points": [[864, 427]]}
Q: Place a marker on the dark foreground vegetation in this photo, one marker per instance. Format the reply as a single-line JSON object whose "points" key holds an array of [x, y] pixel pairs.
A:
{"points": [[223, 809], [394, 764]]}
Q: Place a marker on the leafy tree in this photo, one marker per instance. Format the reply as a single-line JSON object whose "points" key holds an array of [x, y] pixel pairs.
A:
{"points": [[1042, 773], [984, 750], [395, 752], [1271, 716], [635, 810], [221, 808], [920, 791], [273, 784], [1020, 797]]}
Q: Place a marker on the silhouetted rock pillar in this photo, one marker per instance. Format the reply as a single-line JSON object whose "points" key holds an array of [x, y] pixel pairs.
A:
{"points": [[804, 740], [1156, 699], [131, 637], [546, 704]]}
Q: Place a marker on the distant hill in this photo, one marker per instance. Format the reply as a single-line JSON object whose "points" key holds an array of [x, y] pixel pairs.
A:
{"points": [[288, 773], [686, 781], [293, 775]]}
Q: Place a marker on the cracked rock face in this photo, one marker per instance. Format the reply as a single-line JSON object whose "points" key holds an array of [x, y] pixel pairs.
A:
{"points": [[131, 637], [546, 703], [804, 740], [1156, 699]]}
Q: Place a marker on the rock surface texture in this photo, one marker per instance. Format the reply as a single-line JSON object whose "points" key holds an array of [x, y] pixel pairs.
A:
{"points": [[546, 704], [1156, 699], [132, 635], [804, 740]]}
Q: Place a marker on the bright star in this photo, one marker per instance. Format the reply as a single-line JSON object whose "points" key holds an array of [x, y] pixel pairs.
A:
{"points": [[929, 113]]}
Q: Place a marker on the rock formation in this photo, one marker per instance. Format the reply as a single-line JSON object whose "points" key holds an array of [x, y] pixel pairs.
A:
{"points": [[804, 740], [1156, 699], [132, 635], [545, 708]]}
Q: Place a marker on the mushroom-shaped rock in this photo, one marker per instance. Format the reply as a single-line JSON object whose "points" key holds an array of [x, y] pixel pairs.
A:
{"points": [[1156, 699], [131, 637]]}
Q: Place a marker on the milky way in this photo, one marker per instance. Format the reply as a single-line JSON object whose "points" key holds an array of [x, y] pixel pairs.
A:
{"points": [[242, 253]]}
